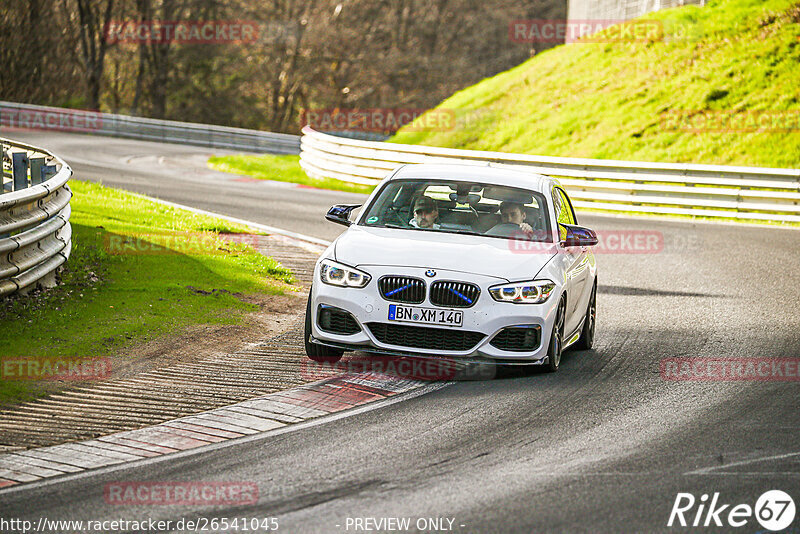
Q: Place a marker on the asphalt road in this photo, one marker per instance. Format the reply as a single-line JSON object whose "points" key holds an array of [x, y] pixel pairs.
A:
{"points": [[179, 174], [604, 445]]}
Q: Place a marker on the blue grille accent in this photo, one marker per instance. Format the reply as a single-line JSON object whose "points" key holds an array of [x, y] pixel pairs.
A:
{"points": [[402, 289], [398, 290], [454, 294], [466, 299]]}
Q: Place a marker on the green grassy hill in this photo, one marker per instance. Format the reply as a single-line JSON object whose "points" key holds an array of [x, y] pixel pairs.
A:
{"points": [[733, 59]]}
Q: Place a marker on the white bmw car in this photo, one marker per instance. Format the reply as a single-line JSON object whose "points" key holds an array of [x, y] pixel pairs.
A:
{"points": [[466, 262]]}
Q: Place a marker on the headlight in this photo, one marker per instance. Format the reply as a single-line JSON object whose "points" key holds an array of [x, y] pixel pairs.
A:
{"points": [[523, 292], [340, 275]]}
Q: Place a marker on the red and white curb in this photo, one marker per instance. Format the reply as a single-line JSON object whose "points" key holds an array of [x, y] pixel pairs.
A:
{"points": [[335, 397], [255, 416]]}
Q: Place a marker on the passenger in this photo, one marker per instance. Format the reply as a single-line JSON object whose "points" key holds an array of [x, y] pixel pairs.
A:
{"points": [[425, 214]]}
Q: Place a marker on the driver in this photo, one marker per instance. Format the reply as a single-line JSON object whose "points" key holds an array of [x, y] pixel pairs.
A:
{"points": [[511, 213], [425, 214]]}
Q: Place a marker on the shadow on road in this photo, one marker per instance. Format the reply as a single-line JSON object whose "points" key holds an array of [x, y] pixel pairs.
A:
{"points": [[641, 292]]}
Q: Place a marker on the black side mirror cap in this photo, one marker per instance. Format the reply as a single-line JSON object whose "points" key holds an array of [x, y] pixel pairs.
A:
{"points": [[340, 213], [578, 236]]}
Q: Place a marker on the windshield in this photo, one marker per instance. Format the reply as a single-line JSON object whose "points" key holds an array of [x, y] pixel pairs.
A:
{"points": [[461, 208]]}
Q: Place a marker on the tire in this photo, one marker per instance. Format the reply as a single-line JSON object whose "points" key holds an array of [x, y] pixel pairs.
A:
{"points": [[318, 353], [586, 341], [556, 347]]}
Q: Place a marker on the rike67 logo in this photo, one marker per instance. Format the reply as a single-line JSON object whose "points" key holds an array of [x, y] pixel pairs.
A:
{"points": [[774, 510]]}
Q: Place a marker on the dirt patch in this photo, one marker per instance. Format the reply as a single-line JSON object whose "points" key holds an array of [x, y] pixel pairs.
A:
{"points": [[200, 368], [275, 315], [203, 367]]}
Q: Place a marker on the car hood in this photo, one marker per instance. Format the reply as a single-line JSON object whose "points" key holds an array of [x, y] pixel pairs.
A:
{"points": [[500, 258]]}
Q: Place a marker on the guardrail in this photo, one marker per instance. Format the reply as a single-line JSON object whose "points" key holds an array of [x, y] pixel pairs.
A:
{"points": [[35, 234], [750, 193], [28, 116]]}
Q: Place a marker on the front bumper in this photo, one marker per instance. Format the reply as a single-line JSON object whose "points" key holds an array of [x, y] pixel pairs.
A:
{"points": [[486, 317]]}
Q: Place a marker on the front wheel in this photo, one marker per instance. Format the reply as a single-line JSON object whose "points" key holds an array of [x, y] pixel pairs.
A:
{"points": [[318, 353], [556, 339], [586, 340]]}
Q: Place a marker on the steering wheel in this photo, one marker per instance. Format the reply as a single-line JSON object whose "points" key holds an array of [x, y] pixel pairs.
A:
{"points": [[395, 212]]}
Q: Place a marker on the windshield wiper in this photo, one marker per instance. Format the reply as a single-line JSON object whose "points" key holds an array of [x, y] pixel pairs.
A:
{"points": [[439, 230], [464, 232], [398, 227]]}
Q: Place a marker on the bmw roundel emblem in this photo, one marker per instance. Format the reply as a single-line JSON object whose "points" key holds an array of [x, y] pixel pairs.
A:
{"points": [[430, 273]]}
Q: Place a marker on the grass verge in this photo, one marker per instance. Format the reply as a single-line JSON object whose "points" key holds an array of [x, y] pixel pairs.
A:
{"points": [[719, 67], [281, 169], [126, 283]]}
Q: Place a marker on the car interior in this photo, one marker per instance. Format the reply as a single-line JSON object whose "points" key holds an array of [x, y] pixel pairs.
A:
{"points": [[465, 207]]}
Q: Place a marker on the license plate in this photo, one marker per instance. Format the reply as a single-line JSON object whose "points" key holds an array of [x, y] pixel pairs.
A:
{"points": [[412, 314]]}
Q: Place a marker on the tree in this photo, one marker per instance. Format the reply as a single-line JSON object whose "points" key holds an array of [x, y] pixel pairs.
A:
{"points": [[93, 18], [35, 64]]}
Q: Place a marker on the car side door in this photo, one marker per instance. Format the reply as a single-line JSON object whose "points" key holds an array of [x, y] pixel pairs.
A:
{"points": [[576, 263]]}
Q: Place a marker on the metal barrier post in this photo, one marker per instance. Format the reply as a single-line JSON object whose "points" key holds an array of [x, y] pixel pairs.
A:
{"points": [[48, 171], [19, 169], [36, 171]]}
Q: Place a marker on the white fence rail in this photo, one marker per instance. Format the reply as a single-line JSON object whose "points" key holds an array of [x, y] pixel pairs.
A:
{"points": [[35, 234], [28, 116], [751, 193]]}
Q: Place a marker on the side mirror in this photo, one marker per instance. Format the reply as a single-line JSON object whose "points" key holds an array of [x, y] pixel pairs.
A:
{"points": [[340, 213], [578, 236]]}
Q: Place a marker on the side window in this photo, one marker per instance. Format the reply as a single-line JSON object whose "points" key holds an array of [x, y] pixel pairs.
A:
{"points": [[562, 212], [556, 203], [567, 213]]}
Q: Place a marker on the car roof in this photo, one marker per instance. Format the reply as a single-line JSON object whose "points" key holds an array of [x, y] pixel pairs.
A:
{"points": [[484, 173]]}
